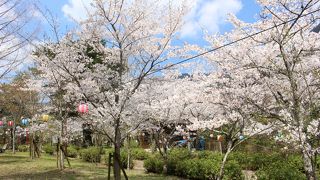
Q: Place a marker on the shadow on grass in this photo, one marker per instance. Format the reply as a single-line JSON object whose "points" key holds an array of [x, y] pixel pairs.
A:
{"points": [[11, 157], [7, 159], [53, 174]]}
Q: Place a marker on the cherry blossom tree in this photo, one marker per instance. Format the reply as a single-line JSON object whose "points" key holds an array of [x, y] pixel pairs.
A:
{"points": [[62, 119], [164, 103], [275, 73], [220, 108], [105, 62]]}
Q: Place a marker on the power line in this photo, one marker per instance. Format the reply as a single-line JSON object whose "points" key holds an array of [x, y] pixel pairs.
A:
{"points": [[232, 42]]}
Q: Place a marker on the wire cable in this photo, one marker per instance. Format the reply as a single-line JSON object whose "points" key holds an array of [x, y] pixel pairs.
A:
{"points": [[232, 42]]}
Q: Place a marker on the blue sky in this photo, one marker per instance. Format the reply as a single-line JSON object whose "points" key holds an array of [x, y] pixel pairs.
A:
{"points": [[208, 14]]}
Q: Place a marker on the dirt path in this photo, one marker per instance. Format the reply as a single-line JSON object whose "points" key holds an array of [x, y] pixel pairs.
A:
{"points": [[138, 165]]}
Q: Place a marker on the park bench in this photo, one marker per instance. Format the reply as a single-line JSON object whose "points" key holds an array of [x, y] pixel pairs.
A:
{"points": [[3, 149]]}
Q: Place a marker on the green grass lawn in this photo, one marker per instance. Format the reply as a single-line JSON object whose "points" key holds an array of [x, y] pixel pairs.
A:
{"points": [[20, 166]]}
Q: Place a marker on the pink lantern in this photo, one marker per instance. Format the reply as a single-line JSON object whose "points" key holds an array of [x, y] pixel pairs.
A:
{"points": [[83, 108], [10, 123], [1, 123]]}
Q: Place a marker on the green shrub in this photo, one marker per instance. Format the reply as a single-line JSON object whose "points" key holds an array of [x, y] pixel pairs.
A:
{"points": [[154, 163], [271, 165], [244, 159], [197, 169], [108, 150], [207, 169], [48, 149], [280, 170], [134, 144], [76, 147], [91, 154], [72, 152], [174, 156], [233, 170], [192, 168], [255, 161], [296, 161], [22, 148], [204, 165], [139, 154], [209, 155], [124, 159]]}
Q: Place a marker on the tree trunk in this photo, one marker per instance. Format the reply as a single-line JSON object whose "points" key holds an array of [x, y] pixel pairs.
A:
{"points": [[224, 161], [31, 147], [60, 155], [61, 159], [62, 144], [129, 153], [116, 159], [309, 163], [165, 152]]}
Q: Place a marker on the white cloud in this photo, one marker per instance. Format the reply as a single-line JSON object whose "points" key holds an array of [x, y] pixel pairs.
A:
{"points": [[209, 14], [77, 9]]}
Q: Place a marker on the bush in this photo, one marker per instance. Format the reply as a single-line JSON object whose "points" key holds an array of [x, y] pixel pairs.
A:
{"points": [[91, 154], [72, 152], [255, 161], [233, 170], [139, 154], [48, 149], [108, 150], [271, 165], [197, 169], [124, 159], [174, 156], [154, 163], [22, 148], [280, 170], [209, 155], [296, 161], [207, 169], [204, 165], [134, 144]]}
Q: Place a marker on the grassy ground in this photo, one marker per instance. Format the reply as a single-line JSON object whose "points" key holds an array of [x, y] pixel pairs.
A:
{"points": [[20, 166]]}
